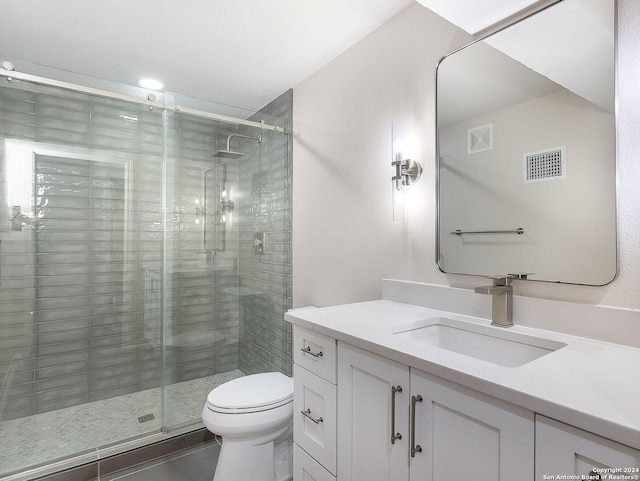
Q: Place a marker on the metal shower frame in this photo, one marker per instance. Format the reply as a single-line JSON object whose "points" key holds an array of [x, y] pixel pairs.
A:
{"points": [[150, 101]]}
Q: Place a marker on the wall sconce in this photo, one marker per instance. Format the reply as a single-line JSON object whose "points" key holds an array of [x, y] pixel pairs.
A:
{"points": [[406, 170]]}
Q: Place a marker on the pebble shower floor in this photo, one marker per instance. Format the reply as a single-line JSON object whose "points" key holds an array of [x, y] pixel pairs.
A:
{"points": [[50, 436]]}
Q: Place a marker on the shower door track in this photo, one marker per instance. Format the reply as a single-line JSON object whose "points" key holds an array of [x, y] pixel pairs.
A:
{"points": [[149, 101]]}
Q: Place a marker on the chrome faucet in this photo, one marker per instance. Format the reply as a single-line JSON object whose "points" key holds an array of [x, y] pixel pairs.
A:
{"points": [[501, 292]]}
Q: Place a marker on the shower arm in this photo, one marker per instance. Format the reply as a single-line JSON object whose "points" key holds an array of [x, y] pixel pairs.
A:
{"points": [[259, 139]]}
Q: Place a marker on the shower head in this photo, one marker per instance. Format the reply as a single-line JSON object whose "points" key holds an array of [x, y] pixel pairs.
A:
{"points": [[230, 154]]}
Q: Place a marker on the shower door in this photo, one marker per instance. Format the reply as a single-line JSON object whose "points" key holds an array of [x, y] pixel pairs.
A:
{"points": [[81, 260], [130, 280]]}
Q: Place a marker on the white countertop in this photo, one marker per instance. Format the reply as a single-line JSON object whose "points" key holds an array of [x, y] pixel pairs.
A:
{"points": [[589, 384]]}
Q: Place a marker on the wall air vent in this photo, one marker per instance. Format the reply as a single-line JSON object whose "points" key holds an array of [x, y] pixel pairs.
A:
{"points": [[480, 139], [549, 164]]}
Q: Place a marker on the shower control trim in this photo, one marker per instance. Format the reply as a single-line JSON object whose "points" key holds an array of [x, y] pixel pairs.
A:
{"points": [[258, 243]]}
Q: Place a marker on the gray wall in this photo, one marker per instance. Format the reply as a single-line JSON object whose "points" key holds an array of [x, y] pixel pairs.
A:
{"points": [[265, 279]]}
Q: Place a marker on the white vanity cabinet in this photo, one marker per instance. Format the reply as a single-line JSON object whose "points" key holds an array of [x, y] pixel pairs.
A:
{"points": [[566, 450], [314, 406], [359, 416], [397, 423]]}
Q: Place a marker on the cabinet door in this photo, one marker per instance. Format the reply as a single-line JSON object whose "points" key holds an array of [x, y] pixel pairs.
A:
{"points": [[366, 417], [565, 450], [467, 435]]}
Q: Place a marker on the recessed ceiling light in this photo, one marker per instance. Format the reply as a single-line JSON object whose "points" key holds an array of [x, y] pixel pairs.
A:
{"points": [[151, 83]]}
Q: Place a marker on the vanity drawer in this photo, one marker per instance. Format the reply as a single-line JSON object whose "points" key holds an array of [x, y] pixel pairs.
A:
{"points": [[315, 352], [305, 468], [314, 416]]}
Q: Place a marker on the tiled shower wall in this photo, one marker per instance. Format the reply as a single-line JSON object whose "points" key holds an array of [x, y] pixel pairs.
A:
{"points": [[80, 284], [265, 278]]}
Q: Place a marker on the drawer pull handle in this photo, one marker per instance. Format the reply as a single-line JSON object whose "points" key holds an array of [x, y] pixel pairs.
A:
{"points": [[307, 350], [394, 435], [308, 415], [415, 448]]}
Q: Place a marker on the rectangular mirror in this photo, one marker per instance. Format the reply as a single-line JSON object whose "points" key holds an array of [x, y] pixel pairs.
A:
{"points": [[526, 144]]}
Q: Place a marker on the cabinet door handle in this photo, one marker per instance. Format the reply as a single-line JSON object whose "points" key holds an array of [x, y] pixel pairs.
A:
{"points": [[415, 448], [394, 435], [307, 350], [307, 414]]}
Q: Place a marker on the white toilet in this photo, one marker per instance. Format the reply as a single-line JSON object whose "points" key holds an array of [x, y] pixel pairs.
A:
{"points": [[254, 416]]}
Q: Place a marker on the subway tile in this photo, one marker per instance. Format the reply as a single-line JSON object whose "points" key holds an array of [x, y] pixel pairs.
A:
{"points": [[115, 340], [62, 337], [63, 291], [62, 348], [62, 370], [17, 342], [53, 135], [76, 382], [21, 386], [62, 303], [18, 402], [20, 412], [47, 318], [8, 294], [73, 391], [53, 269], [17, 272], [18, 367], [61, 403], [59, 359]]}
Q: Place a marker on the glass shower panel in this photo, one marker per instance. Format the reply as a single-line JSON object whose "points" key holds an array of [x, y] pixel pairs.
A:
{"points": [[201, 349], [81, 239], [226, 298]]}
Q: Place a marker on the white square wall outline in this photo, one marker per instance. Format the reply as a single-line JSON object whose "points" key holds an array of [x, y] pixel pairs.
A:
{"points": [[480, 138]]}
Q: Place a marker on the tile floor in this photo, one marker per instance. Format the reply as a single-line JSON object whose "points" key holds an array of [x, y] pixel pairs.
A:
{"points": [[46, 437]]}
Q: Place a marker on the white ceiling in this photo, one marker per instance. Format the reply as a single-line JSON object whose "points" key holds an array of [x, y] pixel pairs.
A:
{"points": [[237, 52], [476, 15]]}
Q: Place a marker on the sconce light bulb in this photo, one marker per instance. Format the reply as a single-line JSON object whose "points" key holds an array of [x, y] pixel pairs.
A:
{"points": [[197, 221], [224, 194], [223, 219], [197, 201], [398, 145]]}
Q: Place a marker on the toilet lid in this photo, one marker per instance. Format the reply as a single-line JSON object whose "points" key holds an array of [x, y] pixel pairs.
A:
{"points": [[254, 391]]}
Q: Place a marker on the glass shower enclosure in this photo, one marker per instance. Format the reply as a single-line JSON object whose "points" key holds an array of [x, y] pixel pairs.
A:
{"points": [[138, 269]]}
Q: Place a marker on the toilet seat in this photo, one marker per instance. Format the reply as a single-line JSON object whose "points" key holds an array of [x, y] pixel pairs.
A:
{"points": [[251, 394]]}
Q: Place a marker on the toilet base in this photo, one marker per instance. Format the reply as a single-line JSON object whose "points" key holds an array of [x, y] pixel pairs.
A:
{"points": [[248, 461]]}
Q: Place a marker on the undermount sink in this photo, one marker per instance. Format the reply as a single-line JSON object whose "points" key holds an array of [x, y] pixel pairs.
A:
{"points": [[492, 344]]}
